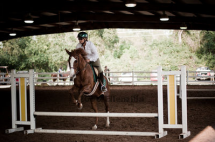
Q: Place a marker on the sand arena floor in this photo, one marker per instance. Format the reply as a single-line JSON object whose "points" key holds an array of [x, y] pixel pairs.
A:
{"points": [[129, 99]]}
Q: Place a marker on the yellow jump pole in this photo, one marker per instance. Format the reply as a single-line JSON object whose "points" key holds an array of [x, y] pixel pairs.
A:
{"points": [[22, 99], [172, 100]]}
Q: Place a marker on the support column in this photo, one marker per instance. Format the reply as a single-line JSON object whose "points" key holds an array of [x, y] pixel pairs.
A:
{"points": [[185, 133], [161, 131]]}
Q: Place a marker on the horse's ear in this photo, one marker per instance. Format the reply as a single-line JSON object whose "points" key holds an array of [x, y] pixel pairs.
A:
{"points": [[67, 51]]}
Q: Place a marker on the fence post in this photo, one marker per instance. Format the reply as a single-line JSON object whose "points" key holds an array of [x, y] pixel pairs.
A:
{"points": [[185, 132], [32, 99], [187, 77], [13, 98], [160, 103], [57, 77], [132, 77]]}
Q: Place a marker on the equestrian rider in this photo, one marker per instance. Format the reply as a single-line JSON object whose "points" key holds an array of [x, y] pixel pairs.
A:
{"points": [[60, 71], [92, 55]]}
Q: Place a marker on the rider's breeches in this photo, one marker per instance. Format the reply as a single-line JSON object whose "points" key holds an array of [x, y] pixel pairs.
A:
{"points": [[97, 65]]}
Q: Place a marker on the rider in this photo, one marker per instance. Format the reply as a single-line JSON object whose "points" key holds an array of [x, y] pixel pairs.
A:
{"points": [[92, 54], [60, 71]]}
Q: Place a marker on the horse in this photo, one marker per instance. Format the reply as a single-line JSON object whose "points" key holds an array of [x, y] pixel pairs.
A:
{"points": [[64, 74], [84, 83]]}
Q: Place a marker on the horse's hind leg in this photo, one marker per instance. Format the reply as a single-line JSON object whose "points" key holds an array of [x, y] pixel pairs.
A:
{"points": [[106, 101], [94, 106]]}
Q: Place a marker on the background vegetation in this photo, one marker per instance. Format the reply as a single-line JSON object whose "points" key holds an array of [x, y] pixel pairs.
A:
{"points": [[119, 49]]}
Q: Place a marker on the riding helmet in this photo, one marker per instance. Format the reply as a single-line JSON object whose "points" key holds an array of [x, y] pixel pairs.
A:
{"points": [[82, 35]]}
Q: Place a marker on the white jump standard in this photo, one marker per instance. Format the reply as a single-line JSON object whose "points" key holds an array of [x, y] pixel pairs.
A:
{"points": [[172, 109]]}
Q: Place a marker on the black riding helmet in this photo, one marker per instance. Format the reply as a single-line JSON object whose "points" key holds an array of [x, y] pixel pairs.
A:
{"points": [[82, 35]]}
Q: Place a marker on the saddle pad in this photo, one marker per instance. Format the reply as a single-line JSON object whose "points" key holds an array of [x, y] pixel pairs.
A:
{"points": [[95, 74]]}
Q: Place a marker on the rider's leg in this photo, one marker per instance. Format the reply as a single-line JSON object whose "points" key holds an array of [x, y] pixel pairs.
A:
{"points": [[98, 66], [60, 76], [101, 77]]}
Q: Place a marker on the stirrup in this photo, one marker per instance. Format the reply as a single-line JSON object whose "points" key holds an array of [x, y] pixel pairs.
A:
{"points": [[103, 88]]}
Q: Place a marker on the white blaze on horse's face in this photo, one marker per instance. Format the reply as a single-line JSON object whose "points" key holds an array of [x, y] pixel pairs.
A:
{"points": [[72, 72]]}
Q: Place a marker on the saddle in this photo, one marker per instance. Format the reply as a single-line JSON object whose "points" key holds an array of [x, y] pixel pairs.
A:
{"points": [[95, 75]]}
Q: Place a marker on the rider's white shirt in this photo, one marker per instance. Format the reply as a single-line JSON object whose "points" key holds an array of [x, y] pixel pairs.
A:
{"points": [[91, 50], [60, 71]]}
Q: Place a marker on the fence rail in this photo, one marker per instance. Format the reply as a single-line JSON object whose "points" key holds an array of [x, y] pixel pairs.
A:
{"points": [[117, 78]]}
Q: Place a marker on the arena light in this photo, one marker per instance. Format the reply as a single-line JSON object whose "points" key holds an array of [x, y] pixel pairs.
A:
{"points": [[12, 33], [76, 27], [183, 26], [130, 3], [29, 19], [164, 17]]}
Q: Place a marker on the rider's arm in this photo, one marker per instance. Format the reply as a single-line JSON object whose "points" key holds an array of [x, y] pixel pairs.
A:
{"points": [[94, 54], [78, 45]]}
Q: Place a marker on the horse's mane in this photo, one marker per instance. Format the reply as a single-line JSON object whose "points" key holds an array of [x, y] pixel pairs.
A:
{"points": [[80, 51]]}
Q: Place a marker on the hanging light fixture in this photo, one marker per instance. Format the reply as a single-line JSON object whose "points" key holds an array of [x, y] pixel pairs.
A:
{"points": [[130, 3], [183, 26], [76, 27], [12, 33], [164, 17], [29, 19]]}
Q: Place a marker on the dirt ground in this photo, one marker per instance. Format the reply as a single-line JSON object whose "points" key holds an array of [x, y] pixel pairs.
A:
{"points": [[129, 99]]}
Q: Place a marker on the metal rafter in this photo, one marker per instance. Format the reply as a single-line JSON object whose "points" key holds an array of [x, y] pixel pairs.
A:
{"points": [[60, 16]]}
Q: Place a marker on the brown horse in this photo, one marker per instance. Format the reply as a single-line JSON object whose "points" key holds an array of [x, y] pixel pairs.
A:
{"points": [[64, 74], [84, 83]]}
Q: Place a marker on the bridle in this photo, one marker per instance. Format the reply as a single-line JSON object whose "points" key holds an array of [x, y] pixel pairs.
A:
{"points": [[78, 69]]}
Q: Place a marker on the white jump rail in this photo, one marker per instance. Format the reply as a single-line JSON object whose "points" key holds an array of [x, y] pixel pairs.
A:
{"points": [[172, 109]]}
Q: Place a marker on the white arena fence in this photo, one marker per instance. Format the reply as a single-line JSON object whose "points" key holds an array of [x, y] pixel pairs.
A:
{"points": [[115, 78], [171, 103]]}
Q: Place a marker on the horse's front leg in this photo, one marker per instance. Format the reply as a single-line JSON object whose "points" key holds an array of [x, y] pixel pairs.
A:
{"points": [[106, 101], [71, 92], [94, 106], [85, 89]]}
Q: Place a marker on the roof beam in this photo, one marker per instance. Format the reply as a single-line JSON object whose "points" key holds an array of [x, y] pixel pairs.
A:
{"points": [[99, 6], [71, 18], [102, 25]]}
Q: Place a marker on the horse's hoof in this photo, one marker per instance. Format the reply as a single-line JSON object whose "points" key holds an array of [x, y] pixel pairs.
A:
{"points": [[94, 127], [107, 124], [76, 102], [80, 106]]}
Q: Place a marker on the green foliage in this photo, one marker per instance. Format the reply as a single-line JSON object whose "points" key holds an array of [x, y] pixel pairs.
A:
{"points": [[110, 38], [43, 53], [122, 47], [207, 49], [137, 50]]}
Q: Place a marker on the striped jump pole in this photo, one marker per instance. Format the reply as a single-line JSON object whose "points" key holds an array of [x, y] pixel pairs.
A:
{"points": [[172, 101], [172, 109], [22, 120]]}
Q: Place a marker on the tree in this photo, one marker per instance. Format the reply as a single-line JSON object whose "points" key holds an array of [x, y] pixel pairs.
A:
{"points": [[207, 49]]}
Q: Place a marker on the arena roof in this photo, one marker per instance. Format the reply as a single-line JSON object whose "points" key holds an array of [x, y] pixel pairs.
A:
{"points": [[60, 16]]}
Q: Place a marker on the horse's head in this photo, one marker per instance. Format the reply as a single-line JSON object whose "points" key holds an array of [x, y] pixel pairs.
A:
{"points": [[74, 54], [77, 52], [70, 62]]}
